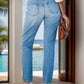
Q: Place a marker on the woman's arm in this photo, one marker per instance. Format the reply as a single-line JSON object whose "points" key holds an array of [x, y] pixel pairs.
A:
{"points": [[64, 16], [62, 8]]}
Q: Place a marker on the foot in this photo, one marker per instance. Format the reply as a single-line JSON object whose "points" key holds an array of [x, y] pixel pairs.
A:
{"points": [[28, 82], [31, 83], [46, 83]]}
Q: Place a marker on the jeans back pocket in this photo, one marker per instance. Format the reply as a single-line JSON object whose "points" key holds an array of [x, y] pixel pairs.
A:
{"points": [[53, 7], [33, 7]]}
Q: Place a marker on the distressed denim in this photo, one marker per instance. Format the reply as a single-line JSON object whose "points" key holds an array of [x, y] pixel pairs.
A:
{"points": [[37, 11]]}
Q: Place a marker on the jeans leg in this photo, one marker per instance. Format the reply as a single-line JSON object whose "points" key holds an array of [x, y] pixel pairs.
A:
{"points": [[50, 30], [31, 25]]}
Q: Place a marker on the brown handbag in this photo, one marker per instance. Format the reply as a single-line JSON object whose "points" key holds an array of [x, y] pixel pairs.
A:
{"points": [[63, 31]]}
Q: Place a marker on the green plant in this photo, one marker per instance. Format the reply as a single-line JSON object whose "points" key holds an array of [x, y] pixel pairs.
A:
{"points": [[4, 3], [3, 29], [3, 35]]}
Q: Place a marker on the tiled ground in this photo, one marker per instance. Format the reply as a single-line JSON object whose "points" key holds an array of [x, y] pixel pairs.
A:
{"points": [[38, 80]]}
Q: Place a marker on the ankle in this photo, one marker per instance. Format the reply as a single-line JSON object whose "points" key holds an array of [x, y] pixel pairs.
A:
{"points": [[26, 82], [46, 83]]}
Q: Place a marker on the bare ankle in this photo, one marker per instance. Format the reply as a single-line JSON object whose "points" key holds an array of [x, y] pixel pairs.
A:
{"points": [[26, 82]]}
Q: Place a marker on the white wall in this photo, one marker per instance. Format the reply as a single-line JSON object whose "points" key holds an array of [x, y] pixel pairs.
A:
{"points": [[79, 41]]}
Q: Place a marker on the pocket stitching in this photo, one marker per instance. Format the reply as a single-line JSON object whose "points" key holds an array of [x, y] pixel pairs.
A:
{"points": [[35, 6], [52, 7]]}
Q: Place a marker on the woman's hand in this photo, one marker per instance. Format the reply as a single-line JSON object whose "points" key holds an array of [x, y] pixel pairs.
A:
{"points": [[67, 20], [64, 16]]}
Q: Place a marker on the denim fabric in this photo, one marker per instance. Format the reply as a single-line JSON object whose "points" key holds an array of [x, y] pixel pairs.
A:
{"points": [[38, 10]]}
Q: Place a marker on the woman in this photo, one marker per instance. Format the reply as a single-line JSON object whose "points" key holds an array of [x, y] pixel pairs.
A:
{"points": [[37, 10]]}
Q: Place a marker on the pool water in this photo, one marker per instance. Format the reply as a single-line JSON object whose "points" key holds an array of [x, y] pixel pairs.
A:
{"points": [[3, 63], [37, 59]]}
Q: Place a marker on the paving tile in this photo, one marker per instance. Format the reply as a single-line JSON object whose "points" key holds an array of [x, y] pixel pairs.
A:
{"points": [[38, 80]]}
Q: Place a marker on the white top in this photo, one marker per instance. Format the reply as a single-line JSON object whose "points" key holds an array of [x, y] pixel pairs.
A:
{"points": [[58, 0]]}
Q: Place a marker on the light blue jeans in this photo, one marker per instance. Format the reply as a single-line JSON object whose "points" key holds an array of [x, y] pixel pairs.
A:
{"points": [[38, 10]]}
